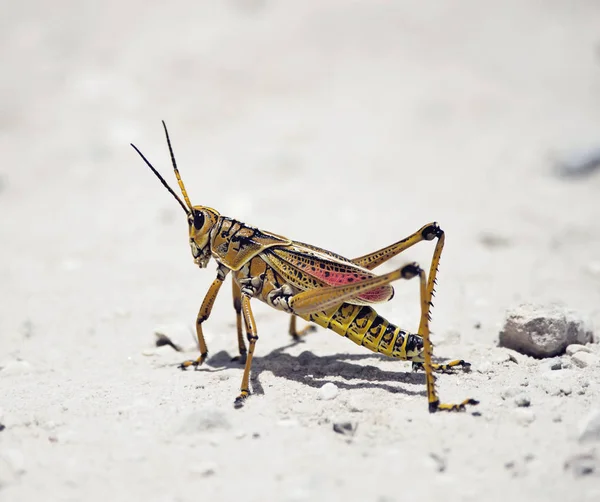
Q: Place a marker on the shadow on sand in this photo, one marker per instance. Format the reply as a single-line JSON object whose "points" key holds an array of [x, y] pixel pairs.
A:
{"points": [[315, 371]]}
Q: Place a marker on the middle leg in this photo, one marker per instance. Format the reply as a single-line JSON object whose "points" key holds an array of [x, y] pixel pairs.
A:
{"points": [[237, 305], [252, 337], [296, 333]]}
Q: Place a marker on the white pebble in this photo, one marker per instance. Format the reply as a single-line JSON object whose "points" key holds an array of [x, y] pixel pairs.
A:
{"points": [[589, 429], [584, 359], [575, 347], [328, 391]]}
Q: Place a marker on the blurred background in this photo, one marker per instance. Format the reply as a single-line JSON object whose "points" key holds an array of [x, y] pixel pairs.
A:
{"points": [[344, 124]]}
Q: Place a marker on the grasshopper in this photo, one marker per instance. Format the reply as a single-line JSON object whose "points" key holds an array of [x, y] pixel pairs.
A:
{"points": [[314, 284]]}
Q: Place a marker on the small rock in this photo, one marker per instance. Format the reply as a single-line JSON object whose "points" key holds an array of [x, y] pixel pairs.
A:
{"points": [[554, 364], [328, 391], [583, 464], [584, 359], [203, 420], [524, 416], [575, 347], [522, 401], [148, 352], [543, 331], [345, 428], [589, 430]]}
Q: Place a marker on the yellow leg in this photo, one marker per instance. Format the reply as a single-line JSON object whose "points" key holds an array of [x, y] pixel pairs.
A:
{"points": [[295, 333], [237, 305], [316, 300], [252, 337], [427, 286], [426, 233], [319, 299], [203, 315]]}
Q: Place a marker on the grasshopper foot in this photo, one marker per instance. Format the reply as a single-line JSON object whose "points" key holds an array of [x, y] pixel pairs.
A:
{"points": [[241, 399], [301, 333], [437, 406], [445, 368], [196, 364], [241, 358]]}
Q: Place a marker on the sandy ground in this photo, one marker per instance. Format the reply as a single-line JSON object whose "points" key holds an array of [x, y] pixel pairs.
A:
{"points": [[344, 124]]}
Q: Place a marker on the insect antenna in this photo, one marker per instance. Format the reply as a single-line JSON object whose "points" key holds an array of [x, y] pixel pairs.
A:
{"points": [[162, 180], [181, 186]]}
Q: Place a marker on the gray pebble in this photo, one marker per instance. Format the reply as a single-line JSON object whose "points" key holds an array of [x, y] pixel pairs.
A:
{"points": [[541, 331], [554, 364], [522, 401], [345, 428]]}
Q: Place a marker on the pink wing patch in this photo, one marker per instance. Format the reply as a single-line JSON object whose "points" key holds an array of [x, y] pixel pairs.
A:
{"points": [[343, 278], [334, 273]]}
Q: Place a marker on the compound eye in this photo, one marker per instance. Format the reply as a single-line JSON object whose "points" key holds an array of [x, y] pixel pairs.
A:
{"points": [[198, 220]]}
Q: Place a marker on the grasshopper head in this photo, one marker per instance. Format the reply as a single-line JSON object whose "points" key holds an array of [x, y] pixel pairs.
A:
{"points": [[201, 219]]}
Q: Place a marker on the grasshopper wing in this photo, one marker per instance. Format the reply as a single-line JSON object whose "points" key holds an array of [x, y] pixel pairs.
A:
{"points": [[307, 267]]}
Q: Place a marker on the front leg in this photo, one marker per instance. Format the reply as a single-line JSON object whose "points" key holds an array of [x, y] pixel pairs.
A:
{"points": [[203, 315]]}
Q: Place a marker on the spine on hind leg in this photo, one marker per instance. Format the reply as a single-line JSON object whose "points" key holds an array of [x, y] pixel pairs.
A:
{"points": [[364, 326]]}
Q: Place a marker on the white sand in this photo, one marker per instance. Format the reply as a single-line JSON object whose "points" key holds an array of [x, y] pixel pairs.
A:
{"points": [[344, 124]]}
